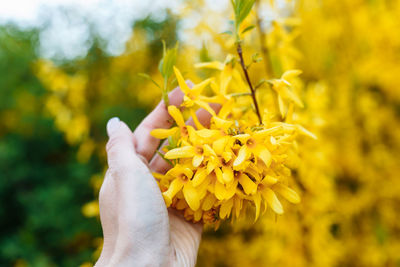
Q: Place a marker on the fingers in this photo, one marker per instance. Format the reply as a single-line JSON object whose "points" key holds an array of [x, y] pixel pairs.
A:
{"points": [[146, 144], [158, 164], [120, 147], [131, 204], [108, 216], [135, 192]]}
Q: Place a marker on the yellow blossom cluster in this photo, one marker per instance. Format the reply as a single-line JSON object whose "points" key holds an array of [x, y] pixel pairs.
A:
{"points": [[234, 162]]}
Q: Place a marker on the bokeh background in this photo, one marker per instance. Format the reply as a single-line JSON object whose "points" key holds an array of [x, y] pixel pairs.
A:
{"points": [[67, 66]]}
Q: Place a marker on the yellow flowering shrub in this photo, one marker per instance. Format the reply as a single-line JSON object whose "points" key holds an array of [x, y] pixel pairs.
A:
{"points": [[218, 170], [347, 95]]}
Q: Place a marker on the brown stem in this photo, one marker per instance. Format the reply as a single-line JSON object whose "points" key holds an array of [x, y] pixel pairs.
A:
{"points": [[264, 49], [246, 74]]}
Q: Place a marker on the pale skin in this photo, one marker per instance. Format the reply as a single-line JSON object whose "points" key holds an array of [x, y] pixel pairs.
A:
{"points": [[138, 228]]}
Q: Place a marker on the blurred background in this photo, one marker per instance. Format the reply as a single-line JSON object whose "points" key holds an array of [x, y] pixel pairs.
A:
{"points": [[67, 66]]}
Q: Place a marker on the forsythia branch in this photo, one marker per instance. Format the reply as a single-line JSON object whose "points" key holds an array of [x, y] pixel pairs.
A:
{"points": [[246, 74]]}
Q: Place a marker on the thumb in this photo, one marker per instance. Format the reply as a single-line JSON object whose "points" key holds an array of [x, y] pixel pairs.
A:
{"points": [[120, 146]]}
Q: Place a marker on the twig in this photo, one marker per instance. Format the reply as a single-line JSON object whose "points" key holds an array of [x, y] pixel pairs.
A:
{"points": [[246, 74]]}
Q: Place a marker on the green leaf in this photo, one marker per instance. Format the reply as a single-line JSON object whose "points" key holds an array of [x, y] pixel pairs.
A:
{"points": [[167, 160], [146, 76], [227, 32], [168, 61], [166, 68], [242, 9], [172, 143], [160, 65], [256, 57], [249, 28]]}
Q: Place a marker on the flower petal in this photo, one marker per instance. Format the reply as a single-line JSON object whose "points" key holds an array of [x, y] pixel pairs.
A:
{"points": [[208, 151], [182, 84], [265, 156], [226, 208], [219, 144], [198, 88], [290, 74], [225, 78], [163, 133], [191, 196], [212, 164], [218, 173], [206, 133], [197, 160], [238, 206], [179, 169], [287, 193], [210, 65], [257, 203], [269, 180], [227, 175], [304, 131], [231, 189], [282, 106], [242, 137], [197, 215], [226, 109], [205, 106], [176, 115], [220, 191], [199, 177], [248, 185], [208, 202], [196, 121], [242, 156], [175, 186], [292, 96], [227, 156], [253, 171], [180, 152], [221, 123], [273, 201]]}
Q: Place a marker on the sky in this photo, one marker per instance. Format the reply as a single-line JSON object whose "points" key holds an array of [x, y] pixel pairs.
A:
{"points": [[66, 24], [66, 35]]}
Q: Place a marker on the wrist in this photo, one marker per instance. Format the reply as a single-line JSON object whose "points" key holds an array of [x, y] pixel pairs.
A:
{"points": [[135, 255]]}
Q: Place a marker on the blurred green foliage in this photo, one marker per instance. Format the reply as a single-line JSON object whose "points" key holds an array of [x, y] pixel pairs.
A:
{"points": [[43, 184]]}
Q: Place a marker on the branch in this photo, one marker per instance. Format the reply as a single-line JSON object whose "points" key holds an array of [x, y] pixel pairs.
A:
{"points": [[246, 74]]}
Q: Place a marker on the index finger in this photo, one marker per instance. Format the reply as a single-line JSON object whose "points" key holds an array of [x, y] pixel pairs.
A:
{"points": [[146, 144]]}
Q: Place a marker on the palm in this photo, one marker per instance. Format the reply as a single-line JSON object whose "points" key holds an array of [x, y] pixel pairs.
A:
{"points": [[185, 239]]}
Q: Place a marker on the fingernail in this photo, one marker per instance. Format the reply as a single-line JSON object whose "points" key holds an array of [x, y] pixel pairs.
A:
{"points": [[113, 125]]}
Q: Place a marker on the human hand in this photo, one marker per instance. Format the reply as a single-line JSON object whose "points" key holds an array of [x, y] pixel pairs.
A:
{"points": [[138, 229]]}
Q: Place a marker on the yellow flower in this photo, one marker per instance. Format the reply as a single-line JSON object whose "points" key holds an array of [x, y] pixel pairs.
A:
{"points": [[234, 162], [225, 76], [181, 180], [181, 127], [198, 150], [252, 145], [193, 95], [283, 87]]}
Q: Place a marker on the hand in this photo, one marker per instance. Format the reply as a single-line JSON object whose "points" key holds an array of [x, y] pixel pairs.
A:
{"points": [[138, 229]]}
